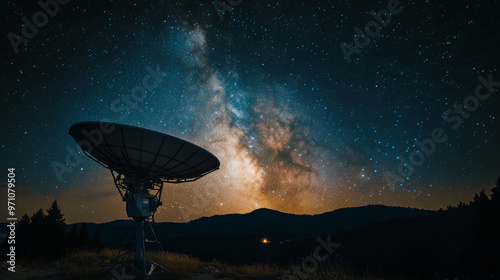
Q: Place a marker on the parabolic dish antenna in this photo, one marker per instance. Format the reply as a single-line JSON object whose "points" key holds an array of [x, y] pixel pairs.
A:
{"points": [[140, 161], [135, 151]]}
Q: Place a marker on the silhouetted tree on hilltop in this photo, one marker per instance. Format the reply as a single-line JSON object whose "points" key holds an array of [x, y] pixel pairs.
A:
{"points": [[56, 229]]}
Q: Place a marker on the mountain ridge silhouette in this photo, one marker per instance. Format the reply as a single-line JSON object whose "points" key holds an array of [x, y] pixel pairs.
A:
{"points": [[261, 221]]}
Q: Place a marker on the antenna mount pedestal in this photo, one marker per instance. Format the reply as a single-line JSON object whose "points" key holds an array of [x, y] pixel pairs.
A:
{"points": [[142, 198]]}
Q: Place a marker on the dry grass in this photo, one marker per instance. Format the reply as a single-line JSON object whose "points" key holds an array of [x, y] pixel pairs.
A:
{"points": [[87, 264], [183, 266], [95, 265], [259, 271], [179, 266]]}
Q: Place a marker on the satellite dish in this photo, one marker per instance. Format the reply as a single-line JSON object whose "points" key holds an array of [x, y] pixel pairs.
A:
{"points": [[144, 153], [140, 161]]}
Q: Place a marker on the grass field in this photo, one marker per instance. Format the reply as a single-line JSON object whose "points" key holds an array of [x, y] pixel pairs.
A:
{"points": [[96, 265], [91, 264]]}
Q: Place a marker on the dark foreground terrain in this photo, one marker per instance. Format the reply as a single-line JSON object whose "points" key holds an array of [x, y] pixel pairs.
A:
{"points": [[370, 242]]}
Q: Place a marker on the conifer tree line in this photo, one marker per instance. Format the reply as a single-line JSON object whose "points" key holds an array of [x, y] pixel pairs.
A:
{"points": [[44, 238]]}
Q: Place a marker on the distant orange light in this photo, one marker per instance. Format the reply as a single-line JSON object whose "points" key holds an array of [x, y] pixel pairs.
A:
{"points": [[265, 241]]}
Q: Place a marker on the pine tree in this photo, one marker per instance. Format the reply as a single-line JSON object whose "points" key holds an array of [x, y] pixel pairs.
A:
{"points": [[54, 214], [25, 221], [480, 199], [56, 230], [495, 192], [495, 202], [37, 218], [483, 198]]}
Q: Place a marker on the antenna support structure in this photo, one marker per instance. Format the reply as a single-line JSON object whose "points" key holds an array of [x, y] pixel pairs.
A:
{"points": [[142, 198]]}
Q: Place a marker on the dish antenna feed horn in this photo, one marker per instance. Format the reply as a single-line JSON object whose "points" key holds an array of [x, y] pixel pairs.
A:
{"points": [[141, 161]]}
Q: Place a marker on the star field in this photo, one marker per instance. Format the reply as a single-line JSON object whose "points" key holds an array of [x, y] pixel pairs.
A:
{"points": [[267, 89]]}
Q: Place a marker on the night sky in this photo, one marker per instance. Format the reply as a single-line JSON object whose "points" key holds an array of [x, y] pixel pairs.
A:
{"points": [[266, 88]]}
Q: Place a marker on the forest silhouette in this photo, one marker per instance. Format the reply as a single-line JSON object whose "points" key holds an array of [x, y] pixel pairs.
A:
{"points": [[43, 238], [463, 241]]}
